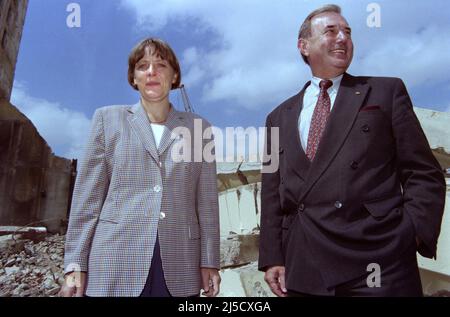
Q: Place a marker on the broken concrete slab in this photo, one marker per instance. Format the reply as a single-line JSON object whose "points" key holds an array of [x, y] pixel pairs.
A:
{"points": [[240, 209], [244, 281], [231, 285], [253, 282], [32, 233], [13, 243], [238, 250]]}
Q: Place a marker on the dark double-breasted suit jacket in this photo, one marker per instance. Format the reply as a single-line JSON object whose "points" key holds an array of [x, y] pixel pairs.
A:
{"points": [[373, 186]]}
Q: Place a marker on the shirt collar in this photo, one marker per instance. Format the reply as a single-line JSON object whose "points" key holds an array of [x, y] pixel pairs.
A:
{"points": [[333, 89]]}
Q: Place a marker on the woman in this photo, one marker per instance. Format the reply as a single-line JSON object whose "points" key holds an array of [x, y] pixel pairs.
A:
{"points": [[143, 223]]}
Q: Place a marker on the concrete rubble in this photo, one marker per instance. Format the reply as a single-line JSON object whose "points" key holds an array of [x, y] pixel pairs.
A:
{"points": [[30, 268], [35, 269]]}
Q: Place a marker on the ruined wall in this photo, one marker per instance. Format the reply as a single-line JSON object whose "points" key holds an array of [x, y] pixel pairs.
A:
{"points": [[12, 18], [34, 184]]}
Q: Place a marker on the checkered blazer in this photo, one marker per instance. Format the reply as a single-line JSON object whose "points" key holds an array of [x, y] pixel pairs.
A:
{"points": [[128, 190]]}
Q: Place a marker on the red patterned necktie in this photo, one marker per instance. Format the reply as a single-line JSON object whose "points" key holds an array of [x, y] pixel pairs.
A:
{"points": [[319, 119]]}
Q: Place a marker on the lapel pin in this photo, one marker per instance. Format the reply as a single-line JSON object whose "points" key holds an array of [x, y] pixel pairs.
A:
{"points": [[357, 93]]}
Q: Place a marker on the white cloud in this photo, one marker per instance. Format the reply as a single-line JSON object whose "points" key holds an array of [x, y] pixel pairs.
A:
{"points": [[253, 63], [64, 130], [255, 59], [419, 58]]}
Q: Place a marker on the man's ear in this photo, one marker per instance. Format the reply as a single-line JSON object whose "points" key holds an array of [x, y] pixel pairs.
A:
{"points": [[175, 77], [303, 47]]}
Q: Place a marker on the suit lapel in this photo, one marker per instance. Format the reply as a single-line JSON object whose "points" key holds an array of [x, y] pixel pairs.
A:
{"points": [[349, 99], [174, 120], [141, 126], [294, 152]]}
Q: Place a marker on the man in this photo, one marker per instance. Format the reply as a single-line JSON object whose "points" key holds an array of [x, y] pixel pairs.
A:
{"points": [[358, 190]]}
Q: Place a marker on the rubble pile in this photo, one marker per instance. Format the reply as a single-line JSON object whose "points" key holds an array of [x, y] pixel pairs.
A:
{"points": [[31, 268]]}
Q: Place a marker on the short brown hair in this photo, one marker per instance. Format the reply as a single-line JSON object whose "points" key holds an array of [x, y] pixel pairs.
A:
{"points": [[162, 49], [305, 29]]}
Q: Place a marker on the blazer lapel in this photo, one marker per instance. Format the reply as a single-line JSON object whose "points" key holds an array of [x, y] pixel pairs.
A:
{"points": [[174, 120], [349, 99], [294, 152], [141, 126]]}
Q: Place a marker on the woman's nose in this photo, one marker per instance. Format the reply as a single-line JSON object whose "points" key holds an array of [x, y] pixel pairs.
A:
{"points": [[151, 69]]}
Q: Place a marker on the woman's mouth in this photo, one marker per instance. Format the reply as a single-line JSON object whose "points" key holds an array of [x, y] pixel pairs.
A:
{"points": [[152, 84]]}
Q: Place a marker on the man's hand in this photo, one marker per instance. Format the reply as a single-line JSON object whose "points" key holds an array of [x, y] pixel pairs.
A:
{"points": [[210, 281], [74, 285], [274, 276]]}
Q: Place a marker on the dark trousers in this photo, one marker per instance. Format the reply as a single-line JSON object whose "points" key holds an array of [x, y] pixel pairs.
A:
{"points": [[400, 278], [155, 286]]}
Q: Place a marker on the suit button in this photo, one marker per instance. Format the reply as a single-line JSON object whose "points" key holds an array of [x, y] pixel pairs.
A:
{"points": [[162, 215], [354, 165], [338, 204], [301, 207], [156, 188], [365, 128]]}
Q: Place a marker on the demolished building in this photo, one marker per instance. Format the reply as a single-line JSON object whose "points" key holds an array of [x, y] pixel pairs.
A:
{"points": [[35, 184]]}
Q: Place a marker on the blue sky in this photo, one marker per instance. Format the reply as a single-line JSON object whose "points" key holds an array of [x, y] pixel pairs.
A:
{"points": [[239, 59]]}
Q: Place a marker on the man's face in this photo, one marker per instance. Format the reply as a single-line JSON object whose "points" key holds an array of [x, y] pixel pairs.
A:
{"points": [[330, 48]]}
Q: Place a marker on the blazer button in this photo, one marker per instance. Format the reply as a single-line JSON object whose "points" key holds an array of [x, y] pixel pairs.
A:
{"points": [[156, 188], [338, 204], [365, 128], [301, 207], [354, 165], [162, 215]]}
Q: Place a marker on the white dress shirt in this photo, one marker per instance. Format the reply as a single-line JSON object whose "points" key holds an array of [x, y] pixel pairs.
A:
{"points": [[309, 103]]}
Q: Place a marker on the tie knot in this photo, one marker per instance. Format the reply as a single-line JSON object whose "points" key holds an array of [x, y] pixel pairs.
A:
{"points": [[325, 84]]}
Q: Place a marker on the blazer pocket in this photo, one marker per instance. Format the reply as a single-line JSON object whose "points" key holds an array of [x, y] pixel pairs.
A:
{"points": [[107, 220], [369, 108], [194, 231], [380, 207]]}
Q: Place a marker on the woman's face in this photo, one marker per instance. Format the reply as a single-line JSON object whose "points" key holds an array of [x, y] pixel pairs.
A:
{"points": [[153, 76]]}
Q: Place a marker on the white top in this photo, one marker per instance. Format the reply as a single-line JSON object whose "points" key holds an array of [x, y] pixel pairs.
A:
{"points": [[309, 104], [158, 130]]}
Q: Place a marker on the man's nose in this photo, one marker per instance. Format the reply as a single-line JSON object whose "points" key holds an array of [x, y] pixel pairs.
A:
{"points": [[342, 35]]}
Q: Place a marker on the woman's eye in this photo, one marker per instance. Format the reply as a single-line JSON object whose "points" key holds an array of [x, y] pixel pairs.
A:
{"points": [[142, 67]]}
